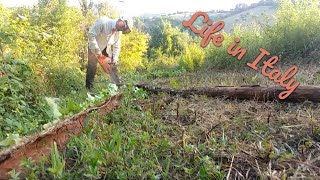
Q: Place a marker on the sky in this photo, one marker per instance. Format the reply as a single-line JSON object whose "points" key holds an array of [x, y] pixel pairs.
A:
{"points": [[138, 7]]}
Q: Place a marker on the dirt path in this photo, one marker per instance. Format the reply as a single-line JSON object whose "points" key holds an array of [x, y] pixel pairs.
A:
{"points": [[40, 145]]}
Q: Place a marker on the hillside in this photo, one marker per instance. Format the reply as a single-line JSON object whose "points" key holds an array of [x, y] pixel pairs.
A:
{"points": [[263, 15]]}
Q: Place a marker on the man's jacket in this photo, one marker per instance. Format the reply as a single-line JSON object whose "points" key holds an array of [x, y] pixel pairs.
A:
{"points": [[100, 36]]}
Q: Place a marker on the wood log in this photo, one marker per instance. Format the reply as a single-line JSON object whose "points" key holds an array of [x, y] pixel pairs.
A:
{"points": [[252, 92]]}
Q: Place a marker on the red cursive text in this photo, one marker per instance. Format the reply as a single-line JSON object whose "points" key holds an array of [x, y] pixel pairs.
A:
{"points": [[208, 31]]}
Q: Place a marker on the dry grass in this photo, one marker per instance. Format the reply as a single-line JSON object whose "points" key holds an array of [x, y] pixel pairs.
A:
{"points": [[307, 75], [251, 139], [265, 139]]}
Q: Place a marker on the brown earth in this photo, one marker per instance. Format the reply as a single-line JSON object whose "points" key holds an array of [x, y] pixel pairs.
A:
{"points": [[39, 145]]}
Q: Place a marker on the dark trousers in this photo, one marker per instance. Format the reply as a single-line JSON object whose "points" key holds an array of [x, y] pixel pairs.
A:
{"points": [[92, 69]]}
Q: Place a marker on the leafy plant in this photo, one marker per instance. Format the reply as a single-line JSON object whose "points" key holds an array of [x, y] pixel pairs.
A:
{"points": [[14, 175], [133, 49], [54, 109], [12, 139], [57, 162]]}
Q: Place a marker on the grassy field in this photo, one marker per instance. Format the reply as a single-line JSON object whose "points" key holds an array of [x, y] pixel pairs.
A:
{"points": [[162, 137]]}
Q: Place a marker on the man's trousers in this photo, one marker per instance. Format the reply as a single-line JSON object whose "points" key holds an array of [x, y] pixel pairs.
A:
{"points": [[92, 69]]}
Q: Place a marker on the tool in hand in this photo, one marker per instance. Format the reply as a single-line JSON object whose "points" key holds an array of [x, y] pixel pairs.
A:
{"points": [[109, 68], [103, 61]]}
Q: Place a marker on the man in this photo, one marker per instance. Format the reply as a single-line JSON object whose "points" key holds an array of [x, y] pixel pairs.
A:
{"points": [[104, 47]]}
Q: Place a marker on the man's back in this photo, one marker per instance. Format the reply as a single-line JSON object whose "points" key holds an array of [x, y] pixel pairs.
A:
{"points": [[100, 34], [104, 46]]}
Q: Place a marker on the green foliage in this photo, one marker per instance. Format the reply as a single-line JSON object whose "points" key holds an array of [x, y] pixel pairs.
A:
{"points": [[161, 62], [208, 170], [47, 39], [57, 162], [39, 48], [12, 139], [193, 57], [14, 175], [19, 98], [105, 9], [133, 48], [168, 40], [64, 80], [296, 33], [131, 143], [218, 56], [169, 48], [54, 109]]}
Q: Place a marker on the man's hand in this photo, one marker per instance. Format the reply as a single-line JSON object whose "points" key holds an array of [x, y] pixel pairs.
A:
{"points": [[103, 61]]}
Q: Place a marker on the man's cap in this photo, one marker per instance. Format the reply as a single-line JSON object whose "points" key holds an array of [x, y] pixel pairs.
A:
{"points": [[128, 20]]}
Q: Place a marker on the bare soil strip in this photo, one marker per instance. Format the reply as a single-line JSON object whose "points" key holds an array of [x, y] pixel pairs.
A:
{"points": [[40, 144]]}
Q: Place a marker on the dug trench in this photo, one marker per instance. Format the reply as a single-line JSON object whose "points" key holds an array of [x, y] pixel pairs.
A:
{"points": [[39, 145]]}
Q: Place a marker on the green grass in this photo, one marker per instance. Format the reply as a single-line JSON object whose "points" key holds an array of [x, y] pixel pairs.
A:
{"points": [[147, 139]]}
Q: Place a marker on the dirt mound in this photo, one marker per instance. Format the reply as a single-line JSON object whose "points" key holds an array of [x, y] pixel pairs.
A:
{"points": [[39, 145]]}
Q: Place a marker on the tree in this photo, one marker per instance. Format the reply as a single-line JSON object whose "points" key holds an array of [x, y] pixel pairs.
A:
{"points": [[85, 6], [241, 7], [105, 9], [133, 48], [169, 40]]}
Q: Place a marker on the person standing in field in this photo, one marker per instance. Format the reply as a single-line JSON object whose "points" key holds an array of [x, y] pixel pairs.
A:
{"points": [[104, 47]]}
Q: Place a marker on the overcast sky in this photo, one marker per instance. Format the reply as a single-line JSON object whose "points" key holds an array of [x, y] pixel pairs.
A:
{"points": [[138, 7]]}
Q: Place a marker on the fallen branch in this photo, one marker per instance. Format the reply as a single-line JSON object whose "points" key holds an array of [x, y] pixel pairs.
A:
{"points": [[255, 92], [39, 145]]}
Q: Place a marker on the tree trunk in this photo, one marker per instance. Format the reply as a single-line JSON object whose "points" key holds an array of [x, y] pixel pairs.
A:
{"points": [[255, 92]]}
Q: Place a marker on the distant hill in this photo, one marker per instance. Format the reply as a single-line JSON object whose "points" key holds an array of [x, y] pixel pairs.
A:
{"points": [[258, 14], [262, 15]]}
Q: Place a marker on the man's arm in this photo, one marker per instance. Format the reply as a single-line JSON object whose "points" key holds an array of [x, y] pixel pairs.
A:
{"points": [[93, 32], [116, 49]]}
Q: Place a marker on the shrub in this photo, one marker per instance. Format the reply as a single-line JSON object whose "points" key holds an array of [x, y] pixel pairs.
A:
{"points": [[294, 35], [192, 58], [167, 40], [20, 97], [64, 80], [133, 48], [297, 30]]}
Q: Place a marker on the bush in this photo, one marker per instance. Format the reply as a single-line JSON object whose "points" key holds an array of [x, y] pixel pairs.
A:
{"points": [[218, 57], [192, 58], [296, 33], [162, 61], [20, 98], [167, 40], [46, 38], [133, 48], [64, 80]]}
